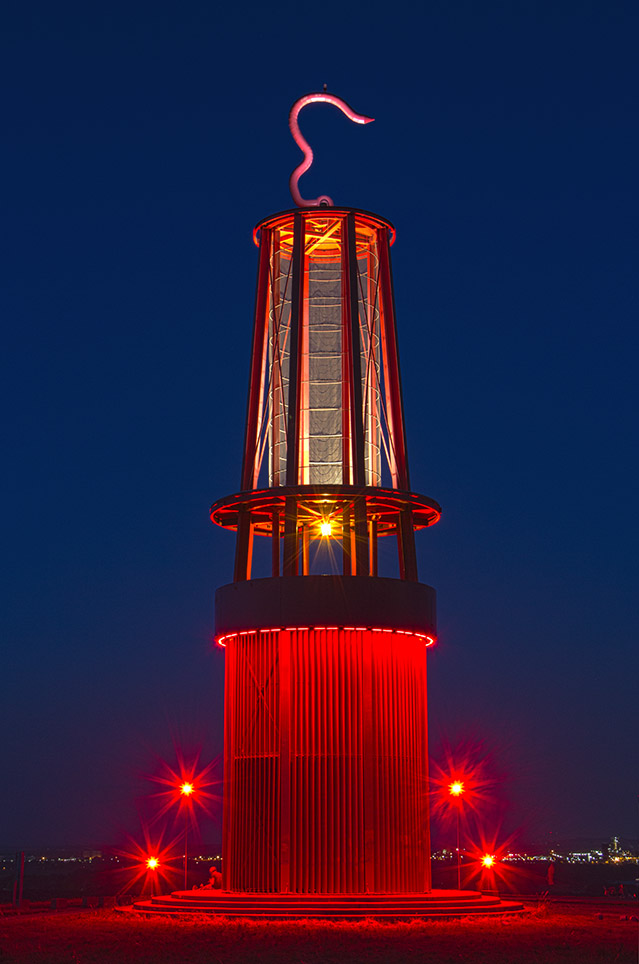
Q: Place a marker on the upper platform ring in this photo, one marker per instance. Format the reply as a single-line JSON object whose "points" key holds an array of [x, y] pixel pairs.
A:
{"points": [[318, 503]]}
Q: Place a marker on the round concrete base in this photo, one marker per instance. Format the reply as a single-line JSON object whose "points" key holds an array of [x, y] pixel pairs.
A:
{"points": [[436, 903]]}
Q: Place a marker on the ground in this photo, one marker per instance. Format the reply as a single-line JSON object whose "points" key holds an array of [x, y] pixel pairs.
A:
{"points": [[547, 934]]}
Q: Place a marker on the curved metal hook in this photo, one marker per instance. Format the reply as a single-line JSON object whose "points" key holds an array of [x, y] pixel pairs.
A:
{"points": [[304, 146]]}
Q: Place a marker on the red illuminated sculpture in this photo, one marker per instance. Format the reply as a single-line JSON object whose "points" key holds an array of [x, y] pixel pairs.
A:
{"points": [[325, 733]]}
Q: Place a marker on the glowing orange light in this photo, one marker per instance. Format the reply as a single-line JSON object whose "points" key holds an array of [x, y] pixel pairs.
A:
{"points": [[456, 788], [152, 863], [487, 860], [187, 789], [326, 528]]}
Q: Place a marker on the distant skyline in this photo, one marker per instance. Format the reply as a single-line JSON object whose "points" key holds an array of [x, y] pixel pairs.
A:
{"points": [[141, 146]]}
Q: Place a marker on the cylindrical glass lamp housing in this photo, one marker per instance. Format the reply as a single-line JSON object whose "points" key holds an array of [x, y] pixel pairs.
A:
{"points": [[319, 399], [324, 339]]}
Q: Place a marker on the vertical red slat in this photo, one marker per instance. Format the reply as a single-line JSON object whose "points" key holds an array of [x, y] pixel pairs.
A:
{"points": [[399, 771], [227, 784], [285, 768], [402, 783], [314, 673], [345, 755], [360, 827], [425, 815]]}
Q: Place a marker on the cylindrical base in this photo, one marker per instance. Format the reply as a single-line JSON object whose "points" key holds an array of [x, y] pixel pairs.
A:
{"points": [[326, 773]]}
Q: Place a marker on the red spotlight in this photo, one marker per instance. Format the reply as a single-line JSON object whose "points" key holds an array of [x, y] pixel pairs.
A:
{"points": [[464, 776], [150, 864], [187, 789], [487, 866]]}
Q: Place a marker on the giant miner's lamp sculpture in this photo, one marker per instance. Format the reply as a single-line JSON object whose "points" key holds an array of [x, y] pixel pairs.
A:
{"points": [[325, 740], [326, 774]]}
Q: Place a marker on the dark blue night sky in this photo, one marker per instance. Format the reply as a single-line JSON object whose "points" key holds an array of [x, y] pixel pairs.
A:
{"points": [[142, 142]]}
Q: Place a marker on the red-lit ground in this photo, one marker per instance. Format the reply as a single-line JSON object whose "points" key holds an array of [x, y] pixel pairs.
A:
{"points": [[557, 934]]}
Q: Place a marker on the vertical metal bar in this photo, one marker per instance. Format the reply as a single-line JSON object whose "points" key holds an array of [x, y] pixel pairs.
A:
{"points": [[285, 760], [304, 389], [256, 378], [291, 551], [243, 546], [361, 537], [306, 550], [275, 358], [347, 568], [394, 404], [372, 546], [249, 554], [400, 549], [386, 400], [373, 376], [295, 355], [406, 545], [346, 366], [357, 426], [353, 546]]}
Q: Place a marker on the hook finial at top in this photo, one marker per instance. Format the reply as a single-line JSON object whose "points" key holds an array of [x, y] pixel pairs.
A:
{"points": [[320, 98]]}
